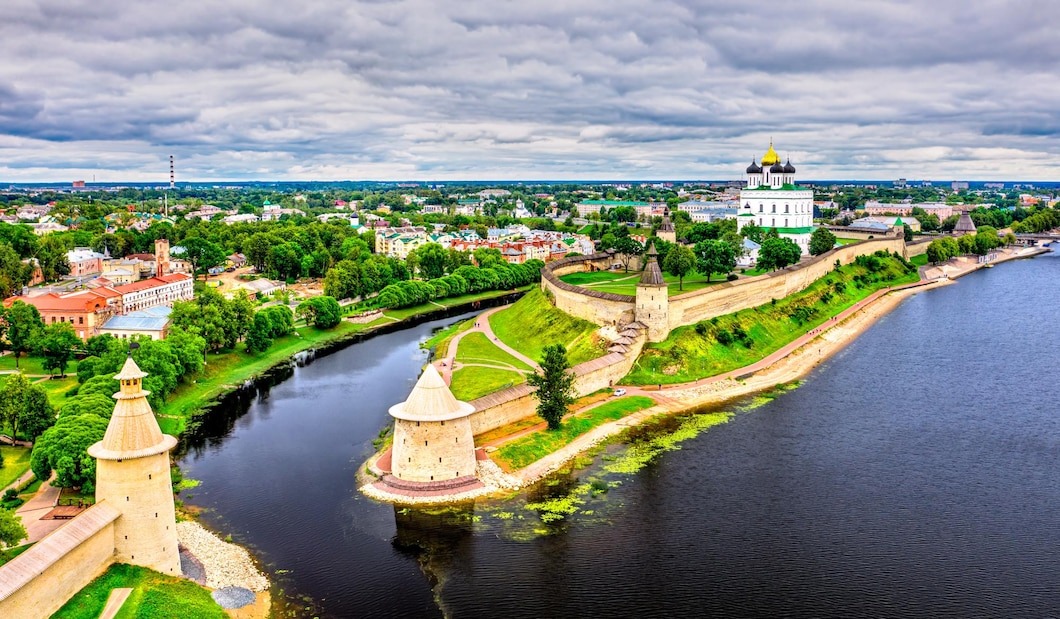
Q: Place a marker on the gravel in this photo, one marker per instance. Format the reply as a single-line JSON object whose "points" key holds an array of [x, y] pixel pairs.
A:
{"points": [[226, 565], [191, 567], [233, 597]]}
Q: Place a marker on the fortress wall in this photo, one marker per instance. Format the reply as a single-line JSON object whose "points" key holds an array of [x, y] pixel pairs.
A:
{"points": [[39, 581], [741, 294], [917, 247], [597, 307]]}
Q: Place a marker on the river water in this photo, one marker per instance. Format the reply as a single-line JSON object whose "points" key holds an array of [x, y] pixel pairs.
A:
{"points": [[915, 474]]}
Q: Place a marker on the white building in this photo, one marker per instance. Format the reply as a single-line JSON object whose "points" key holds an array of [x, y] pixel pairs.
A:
{"points": [[771, 199]]}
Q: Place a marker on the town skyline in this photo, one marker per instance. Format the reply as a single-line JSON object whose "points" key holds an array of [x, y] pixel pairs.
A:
{"points": [[464, 91]]}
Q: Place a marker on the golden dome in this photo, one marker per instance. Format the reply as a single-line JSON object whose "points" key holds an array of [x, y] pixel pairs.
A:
{"points": [[771, 156]]}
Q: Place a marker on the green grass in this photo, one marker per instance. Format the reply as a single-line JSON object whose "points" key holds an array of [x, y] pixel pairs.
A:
{"points": [[474, 382], [439, 341], [154, 596], [848, 241], [10, 553], [31, 365], [618, 282], [694, 351], [532, 447], [57, 388], [920, 260], [531, 323], [476, 348], [16, 462]]}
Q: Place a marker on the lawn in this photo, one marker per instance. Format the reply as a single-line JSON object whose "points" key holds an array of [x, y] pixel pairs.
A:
{"points": [[532, 447], [618, 282], [154, 596], [476, 348], [474, 381], [16, 462], [531, 323], [31, 365], [697, 351], [848, 241], [439, 341], [920, 260]]}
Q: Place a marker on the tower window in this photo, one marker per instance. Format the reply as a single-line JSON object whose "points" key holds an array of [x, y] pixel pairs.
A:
{"points": [[424, 443], [148, 476]]}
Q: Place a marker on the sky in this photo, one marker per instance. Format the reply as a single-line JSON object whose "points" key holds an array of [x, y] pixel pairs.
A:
{"points": [[527, 89]]}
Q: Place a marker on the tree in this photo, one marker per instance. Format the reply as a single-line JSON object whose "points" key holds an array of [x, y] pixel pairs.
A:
{"points": [[24, 407], [714, 257], [14, 274], [555, 385], [93, 403], [202, 254], [776, 253], [11, 530], [324, 312], [258, 337], [679, 262], [752, 232], [63, 448], [23, 327], [627, 248], [821, 241], [432, 260], [907, 233], [57, 346]]}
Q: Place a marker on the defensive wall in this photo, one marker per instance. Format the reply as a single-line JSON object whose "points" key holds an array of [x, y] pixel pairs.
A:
{"points": [[39, 581], [514, 403], [716, 300]]}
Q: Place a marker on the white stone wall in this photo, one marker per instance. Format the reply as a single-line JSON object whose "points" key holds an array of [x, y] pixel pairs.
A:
{"points": [[433, 450]]}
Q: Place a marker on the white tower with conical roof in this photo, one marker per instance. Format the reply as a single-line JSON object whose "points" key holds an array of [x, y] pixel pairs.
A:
{"points": [[132, 475], [432, 433], [653, 303]]}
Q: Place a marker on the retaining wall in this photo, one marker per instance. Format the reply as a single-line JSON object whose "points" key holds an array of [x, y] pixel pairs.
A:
{"points": [[601, 308], [39, 581]]}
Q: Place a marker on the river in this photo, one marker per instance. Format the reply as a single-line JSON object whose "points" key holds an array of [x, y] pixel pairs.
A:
{"points": [[915, 474]]}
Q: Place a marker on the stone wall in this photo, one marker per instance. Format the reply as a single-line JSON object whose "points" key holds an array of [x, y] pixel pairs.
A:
{"points": [[601, 308], [39, 581], [917, 247], [720, 299]]}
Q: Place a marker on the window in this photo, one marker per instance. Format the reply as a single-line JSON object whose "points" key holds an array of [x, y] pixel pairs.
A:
{"points": [[787, 208], [774, 208]]}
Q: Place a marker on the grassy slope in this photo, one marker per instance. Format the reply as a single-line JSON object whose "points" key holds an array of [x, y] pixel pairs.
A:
{"points": [[476, 348], [154, 596], [10, 553], [628, 285], [31, 365], [687, 355], [439, 341], [474, 382], [532, 323], [532, 447], [16, 462]]}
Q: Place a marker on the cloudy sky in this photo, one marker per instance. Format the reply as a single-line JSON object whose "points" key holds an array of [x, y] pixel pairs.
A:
{"points": [[527, 89]]}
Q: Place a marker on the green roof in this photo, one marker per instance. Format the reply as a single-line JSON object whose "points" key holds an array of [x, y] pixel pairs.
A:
{"points": [[615, 202], [747, 214], [805, 230]]}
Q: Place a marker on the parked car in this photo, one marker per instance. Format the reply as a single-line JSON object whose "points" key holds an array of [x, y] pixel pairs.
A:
{"points": [[619, 392]]}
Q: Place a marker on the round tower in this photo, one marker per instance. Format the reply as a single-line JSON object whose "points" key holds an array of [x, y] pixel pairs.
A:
{"points": [[432, 433], [132, 475], [653, 304], [161, 256]]}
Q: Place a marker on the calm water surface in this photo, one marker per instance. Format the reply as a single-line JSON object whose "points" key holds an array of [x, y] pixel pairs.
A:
{"points": [[916, 474]]}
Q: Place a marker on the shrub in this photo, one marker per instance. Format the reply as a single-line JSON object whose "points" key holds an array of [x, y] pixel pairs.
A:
{"points": [[731, 277], [724, 337], [701, 328], [738, 332]]}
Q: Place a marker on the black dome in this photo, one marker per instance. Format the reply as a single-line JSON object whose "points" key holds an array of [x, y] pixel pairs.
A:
{"points": [[753, 168], [776, 168], [788, 168]]}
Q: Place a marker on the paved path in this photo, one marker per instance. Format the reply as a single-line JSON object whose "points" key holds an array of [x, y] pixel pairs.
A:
{"points": [[448, 364], [114, 602], [25, 477], [38, 506]]}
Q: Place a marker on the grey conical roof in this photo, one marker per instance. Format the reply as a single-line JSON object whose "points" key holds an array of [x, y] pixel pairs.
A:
{"points": [[652, 275], [964, 224]]}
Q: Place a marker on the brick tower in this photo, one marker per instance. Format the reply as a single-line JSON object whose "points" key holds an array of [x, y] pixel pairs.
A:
{"points": [[132, 476], [161, 257]]}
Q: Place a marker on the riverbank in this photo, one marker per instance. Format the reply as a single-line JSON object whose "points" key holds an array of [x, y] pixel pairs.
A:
{"points": [[789, 364]]}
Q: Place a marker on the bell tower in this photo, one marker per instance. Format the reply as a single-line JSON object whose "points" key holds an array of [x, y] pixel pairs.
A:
{"points": [[132, 476]]}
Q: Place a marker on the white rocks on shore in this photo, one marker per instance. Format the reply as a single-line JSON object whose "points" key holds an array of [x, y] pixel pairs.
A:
{"points": [[227, 565]]}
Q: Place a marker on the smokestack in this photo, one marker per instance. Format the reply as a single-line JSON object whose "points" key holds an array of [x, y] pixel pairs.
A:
{"points": [[171, 175]]}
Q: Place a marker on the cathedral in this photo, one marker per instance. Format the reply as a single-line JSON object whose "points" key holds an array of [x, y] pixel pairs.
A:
{"points": [[771, 199]]}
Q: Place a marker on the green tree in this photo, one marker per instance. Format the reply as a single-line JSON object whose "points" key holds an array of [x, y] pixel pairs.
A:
{"points": [[555, 385], [57, 344], [627, 248], [259, 336], [777, 253], [907, 233], [202, 254], [821, 241], [93, 403], [63, 448], [432, 260], [714, 257], [11, 530], [752, 232], [680, 261], [14, 274], [23, 327]]}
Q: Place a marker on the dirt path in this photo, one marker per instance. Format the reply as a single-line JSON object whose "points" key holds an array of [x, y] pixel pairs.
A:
{"points": [[448, 364]]}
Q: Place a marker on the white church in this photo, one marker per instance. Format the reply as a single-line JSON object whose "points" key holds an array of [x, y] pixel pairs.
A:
{"points": [[771, 199]]}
